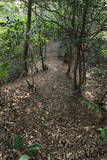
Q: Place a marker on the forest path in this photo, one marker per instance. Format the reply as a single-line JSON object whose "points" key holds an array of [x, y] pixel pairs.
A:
{"points": [[51, 116]]}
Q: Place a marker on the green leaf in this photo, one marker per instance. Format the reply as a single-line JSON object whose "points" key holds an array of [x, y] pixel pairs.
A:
{"points": [[104, 134], [2, 73], [18, 142], [99, 129], [96, 109], [38, 58], [33, 148], [24, 157], [4, 65]]}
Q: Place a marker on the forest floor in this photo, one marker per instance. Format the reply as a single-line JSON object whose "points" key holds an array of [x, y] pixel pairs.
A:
{"points": [[51, 116]]}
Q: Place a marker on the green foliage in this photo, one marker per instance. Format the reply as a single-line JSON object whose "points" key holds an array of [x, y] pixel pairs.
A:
{"points": [[37, 40], [2, 74], [99, 72], [4, 71], [38, 58], [24, 157], [18, 142], [96, 109], [33, 148], [104, 52], [98, 48], [9, 8], [11, 40], [19, 145], [87, 104], [103, 133]]}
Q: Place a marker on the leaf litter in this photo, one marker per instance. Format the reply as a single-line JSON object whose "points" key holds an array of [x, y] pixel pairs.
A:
{"points": [[51, 117]]}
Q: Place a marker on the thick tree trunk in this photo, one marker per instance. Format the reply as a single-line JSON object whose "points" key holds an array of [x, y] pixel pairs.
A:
{"points": [[26, 47]]}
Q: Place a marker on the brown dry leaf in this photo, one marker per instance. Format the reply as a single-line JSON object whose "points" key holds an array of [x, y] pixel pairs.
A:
{"points": [[51, 117], [29, 110]]}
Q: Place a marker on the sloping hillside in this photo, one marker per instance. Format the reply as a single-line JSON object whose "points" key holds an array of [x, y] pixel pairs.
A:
{"points": [[50, 116]]}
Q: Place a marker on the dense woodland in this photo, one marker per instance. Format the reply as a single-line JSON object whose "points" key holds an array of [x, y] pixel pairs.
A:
{"points": [[53, 80]]}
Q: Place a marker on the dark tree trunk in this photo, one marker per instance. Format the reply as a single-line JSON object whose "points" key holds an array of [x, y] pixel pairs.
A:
{"points": [[65, 57], [42, 58], [68, 69], [79, 66], [69, 63], [83, 81], [28, 27], [75, 83]]}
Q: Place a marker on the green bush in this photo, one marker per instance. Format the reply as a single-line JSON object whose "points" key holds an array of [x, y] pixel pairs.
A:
{"points": [[11, 45], [103, 133], [99, 72]]}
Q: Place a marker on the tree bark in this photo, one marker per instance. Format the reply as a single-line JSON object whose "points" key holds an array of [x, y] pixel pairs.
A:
{"points": [[28, 27], [75, 83], [79, 66], [42, 58]]}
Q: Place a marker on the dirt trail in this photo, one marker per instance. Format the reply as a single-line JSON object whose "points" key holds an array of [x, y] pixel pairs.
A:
{"points": [[51, 116]]}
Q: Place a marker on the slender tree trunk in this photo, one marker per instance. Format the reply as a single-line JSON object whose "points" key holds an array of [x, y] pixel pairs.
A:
{"points": [[42, 58], [69, 69], [83, 70], [76, 65], [69, 63], [28, 27], [65, 57], [79, 66]]}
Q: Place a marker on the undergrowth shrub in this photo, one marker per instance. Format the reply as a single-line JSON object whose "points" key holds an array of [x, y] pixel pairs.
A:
{"points": [[99, 72], [103, 134], [27, 151], [11, 44], [87, 104]]}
